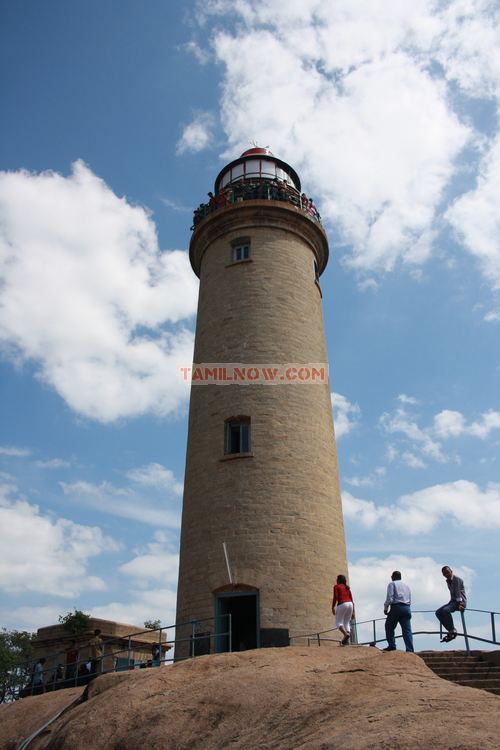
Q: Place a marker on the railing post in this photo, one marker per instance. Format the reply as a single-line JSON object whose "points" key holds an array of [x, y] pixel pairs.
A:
{"points": [[493, 633], [462, 615], [374, 622], [193, 636], [230, 633], [318, 639], [129, 649]]}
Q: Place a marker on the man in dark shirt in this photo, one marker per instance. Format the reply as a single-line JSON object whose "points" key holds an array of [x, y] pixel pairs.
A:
{"points": [[458, 601]]}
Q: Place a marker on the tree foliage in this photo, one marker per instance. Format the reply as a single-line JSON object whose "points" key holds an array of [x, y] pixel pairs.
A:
{"points": [[152, 624], [16, 651], [77, 622]]}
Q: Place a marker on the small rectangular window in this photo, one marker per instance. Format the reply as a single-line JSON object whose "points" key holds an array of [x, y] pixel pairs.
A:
{"points": [[237, 437], [241, 252]]}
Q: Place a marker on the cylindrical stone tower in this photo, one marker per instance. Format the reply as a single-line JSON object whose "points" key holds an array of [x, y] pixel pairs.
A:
{"points": [[262, 530]]}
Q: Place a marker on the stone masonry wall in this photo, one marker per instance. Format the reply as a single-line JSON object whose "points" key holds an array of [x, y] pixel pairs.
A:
{"points": [[279, 509]]}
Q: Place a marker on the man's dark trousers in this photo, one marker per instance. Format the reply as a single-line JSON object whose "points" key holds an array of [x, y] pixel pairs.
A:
{"points": [[399, 614]]}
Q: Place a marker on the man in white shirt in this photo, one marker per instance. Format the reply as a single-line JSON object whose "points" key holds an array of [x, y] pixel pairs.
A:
{"points": [[397, 607]]}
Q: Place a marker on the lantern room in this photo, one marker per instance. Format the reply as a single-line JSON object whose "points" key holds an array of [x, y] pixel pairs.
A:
{"points": [[257, 164]]}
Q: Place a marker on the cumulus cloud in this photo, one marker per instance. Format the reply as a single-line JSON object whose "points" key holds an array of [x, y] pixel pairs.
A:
{"points": [[197, 135], [123, 502], [345, 414], [141, 605], [367, 100], [155, 561], [156, 475], [461, 502], [475, 216], [451, 424], [367, 481], [13, 452], [400, 422], [53, 463], [468, 46], [345, 92], [421, 443], [46, 555], [88, 296]]}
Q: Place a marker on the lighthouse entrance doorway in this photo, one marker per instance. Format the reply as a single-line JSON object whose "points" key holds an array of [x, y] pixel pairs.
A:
{"points": [[240, 630]]}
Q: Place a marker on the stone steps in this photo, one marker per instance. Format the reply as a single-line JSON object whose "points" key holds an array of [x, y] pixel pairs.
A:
{"points": [[474, 670]]}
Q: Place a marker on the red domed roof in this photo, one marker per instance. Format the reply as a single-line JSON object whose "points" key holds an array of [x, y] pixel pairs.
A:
{"points": [[257, 150]]}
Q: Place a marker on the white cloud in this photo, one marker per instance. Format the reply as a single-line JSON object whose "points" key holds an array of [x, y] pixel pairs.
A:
{"points": [[370, 100], [201, 54], [13, 452], [169, 203], [53, 463], [30, 618], [87, 295], [368, 481], [154, 604], [345, 414], [448, 423], [156, 475], [401, 423], [197, 135], [468, 47], [418, 444], [413, 461], [476, 218], [155, 562], [46, 555], [404, 399], [462, 502], [343, 91], [364, 512], [453, 424], [492, 317], [122, 502]]}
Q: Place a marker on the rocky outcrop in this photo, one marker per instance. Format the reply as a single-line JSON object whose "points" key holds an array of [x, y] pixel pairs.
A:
{"points": [[271, 699]]}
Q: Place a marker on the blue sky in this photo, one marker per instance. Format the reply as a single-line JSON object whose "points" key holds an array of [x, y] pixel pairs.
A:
{"points": [[116, 118]]}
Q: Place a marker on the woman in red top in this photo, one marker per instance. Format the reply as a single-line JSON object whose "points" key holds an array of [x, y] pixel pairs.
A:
{"points": [[342, 599]]}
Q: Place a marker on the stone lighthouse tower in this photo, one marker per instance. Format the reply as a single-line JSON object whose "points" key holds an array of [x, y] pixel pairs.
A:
{"points": [[262, 531]]}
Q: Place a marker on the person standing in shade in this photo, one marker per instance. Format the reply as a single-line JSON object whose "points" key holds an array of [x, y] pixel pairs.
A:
{"points": [[397, 607], [71, 661], [38, 685], [458, 601], [96, 652], [342, 600]]}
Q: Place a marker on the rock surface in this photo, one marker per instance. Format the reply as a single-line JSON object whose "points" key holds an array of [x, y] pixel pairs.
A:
{"points": [[272, 699]]}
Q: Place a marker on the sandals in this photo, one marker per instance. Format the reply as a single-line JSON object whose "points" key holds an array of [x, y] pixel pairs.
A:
{"points": [[449, 636], [345, 640]]}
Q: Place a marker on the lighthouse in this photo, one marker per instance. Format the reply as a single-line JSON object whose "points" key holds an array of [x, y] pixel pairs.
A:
{"points": [[262, 536]]}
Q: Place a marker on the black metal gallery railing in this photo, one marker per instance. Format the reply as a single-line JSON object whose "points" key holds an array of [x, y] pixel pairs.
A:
{"points": [[377, 631], [245, 190], [33, 678]]}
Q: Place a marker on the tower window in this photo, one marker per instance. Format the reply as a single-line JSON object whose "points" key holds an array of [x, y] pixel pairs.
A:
{"points": [[241, 252], [316, 272], [237, 438]]}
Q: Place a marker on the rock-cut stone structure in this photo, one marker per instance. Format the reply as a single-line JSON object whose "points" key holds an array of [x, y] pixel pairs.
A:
{"points": [[262, 535]]}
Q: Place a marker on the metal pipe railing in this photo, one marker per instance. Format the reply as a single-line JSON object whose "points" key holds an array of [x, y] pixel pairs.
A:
{"points": [[20, 679], [466, 634]]}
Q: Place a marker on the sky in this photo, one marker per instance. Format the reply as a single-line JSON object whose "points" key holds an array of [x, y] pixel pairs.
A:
{"points": [[117, 115]]}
